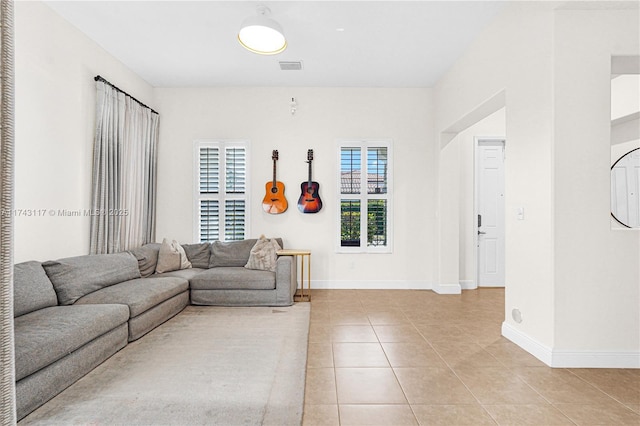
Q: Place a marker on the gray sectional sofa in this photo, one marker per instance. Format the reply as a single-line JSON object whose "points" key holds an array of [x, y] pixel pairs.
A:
{"points": [[72, 314]]}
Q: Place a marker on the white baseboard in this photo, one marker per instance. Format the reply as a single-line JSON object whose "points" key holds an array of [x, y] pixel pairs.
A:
{"points": [[570, 359], [583, 359], [392, 285], [447, 288], [389, 285], [371, 284], [468, 285], [535, 348]]}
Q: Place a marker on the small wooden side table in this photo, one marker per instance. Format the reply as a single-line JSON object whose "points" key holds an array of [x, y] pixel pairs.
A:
{"points": [[303, 254]]}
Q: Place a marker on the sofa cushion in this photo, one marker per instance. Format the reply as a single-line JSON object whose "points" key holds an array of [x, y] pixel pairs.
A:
{"points": [[234, 278], [186, 274], [74, 277], [47, 335], [198, 254], [140, 294], [147, 256], [32, 289], [171, 257], [233, 253]]}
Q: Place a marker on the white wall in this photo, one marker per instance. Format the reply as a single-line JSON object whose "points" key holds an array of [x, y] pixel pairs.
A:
{"points": [[597, 275], [574, 279], [514, 55], [448, 281], [625, 95], [55, 108], [324, 116]]}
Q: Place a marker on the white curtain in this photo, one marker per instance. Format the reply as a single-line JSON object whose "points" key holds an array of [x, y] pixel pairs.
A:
{"points": [[124, 172], [7, 363]]}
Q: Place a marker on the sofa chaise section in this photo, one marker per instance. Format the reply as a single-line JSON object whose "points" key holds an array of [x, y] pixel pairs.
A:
{"points": [[238, 286], [228, 282], [116, 279], [151, 301], [57, 345]]}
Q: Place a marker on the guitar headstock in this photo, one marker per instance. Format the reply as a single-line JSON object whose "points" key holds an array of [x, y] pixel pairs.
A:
{"points": [[274, 154], [309, 154]]}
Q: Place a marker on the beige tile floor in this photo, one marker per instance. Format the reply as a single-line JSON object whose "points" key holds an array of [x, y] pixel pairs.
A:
{"points": [[402, 357]]}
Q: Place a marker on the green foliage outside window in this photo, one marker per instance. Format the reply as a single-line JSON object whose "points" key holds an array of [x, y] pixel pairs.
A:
{"points": [[376, 223]]}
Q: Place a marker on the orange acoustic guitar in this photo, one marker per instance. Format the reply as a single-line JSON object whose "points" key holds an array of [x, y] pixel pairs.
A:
{"points": [[274, 201], [309, 201]]}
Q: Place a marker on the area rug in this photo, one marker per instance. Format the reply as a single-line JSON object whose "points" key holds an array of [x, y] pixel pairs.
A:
{"points": [[206, 366]]}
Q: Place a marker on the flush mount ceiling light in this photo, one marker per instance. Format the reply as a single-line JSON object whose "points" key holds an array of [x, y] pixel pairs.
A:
{"points": [[261, 34]]}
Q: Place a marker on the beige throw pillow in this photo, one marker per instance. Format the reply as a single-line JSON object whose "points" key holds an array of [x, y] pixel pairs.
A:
{"points": [[184, 260], [171, 257], [263, 255]]}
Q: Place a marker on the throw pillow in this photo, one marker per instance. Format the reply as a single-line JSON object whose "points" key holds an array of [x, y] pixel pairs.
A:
{"points": [[171, 257], [233, 253], [147, 256], [198, 254], [263, 255], [184, 260], [32, 289], [74, 277]]}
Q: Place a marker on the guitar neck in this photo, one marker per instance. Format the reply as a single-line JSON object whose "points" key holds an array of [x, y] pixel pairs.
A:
{"points": [[309, 182], [274, 173]]}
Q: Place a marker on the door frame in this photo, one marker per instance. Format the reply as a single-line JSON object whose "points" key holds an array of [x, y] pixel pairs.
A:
{"points": [[477, 140]]}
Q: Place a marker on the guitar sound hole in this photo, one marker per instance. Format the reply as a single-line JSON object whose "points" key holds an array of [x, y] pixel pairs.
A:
{"points": [[274, 190]]}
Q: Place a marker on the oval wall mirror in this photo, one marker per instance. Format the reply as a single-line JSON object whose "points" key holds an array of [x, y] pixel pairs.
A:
{"points": [[625, 185]]}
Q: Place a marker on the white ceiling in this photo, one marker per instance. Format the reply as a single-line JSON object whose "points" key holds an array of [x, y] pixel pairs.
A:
{"points": [[341, 43]]}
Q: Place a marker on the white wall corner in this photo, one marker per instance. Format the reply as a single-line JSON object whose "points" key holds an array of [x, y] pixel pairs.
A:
{"points": [[468, 285], [447, 288], [570, 359], [535, 348]]}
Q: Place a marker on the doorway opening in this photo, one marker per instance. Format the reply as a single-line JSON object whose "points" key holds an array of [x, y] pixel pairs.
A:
{"points": [[457, 177]]}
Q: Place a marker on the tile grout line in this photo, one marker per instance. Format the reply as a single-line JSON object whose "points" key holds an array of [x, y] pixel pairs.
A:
{"points": [[542, 396], [593, 385], [393, 370], [454, 373], [509, 360]]}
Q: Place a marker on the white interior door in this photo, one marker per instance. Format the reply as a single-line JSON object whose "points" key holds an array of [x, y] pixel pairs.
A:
{"points": [[490, 212]]}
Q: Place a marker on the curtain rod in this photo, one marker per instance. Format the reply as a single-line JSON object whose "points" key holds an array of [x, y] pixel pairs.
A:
{"points": [[99, 78]]}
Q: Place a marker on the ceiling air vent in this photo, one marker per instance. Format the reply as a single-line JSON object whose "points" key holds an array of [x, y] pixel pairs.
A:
{"points": [[290, 65]]}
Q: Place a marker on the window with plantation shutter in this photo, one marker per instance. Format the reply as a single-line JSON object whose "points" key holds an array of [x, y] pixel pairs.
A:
{"points": [[222, 213], [364, 196]]}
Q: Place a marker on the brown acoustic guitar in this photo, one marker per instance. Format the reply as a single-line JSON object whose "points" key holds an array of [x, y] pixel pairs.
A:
{"points": [[309, 201], [274, 201]]}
